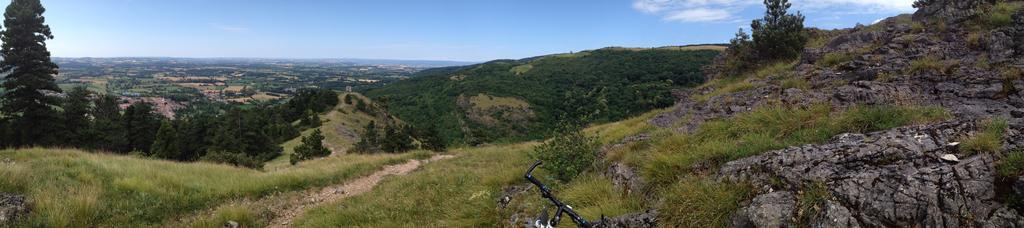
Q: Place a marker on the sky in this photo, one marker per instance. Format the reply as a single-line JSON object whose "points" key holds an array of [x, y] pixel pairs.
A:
{"points": [[459, 30]]}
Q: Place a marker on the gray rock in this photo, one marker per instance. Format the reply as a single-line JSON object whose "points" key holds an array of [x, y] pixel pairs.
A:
{"points": [[13, 208], [231, 224], [772, 210], [635, 220], [1018, 186], [834, 215], [951, 11], [889, 178], [1004, 217], [624, 177]]}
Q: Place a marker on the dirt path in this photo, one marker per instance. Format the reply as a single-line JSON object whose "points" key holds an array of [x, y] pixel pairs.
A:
{"points": [[287, 212]]}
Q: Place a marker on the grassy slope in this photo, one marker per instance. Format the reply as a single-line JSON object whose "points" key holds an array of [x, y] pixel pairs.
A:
{"points": [[343, 116], [70, 187]]}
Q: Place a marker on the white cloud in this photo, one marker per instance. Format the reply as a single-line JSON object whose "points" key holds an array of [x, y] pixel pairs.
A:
{"points": [[698, 15], [726, 10]]}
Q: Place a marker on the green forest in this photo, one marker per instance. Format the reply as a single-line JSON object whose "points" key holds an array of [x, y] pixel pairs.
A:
{"points": [[593, 86]]}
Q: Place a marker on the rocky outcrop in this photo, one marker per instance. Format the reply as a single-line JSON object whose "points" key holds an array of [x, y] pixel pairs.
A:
{"points": [[952, 11], [12, 208], [635, 220], [890, 178], [775, 209]]}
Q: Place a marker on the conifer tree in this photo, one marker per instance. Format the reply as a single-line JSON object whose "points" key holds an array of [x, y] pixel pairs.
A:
{"points": [[312, 147], [76, 118], [779, 35], [166, 144], [140, 127], [29, 73], [109, 132]]}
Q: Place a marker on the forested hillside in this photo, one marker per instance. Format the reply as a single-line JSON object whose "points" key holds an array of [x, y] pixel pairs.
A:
{"points": [[511, 100]]}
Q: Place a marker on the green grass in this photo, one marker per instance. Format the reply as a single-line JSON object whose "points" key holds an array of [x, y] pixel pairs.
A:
{"points": [[1001, 14], [343, 116], [927, 63], [456, 192], [73, 188], [770, 128], [811, 199], [988, 140], [701, 202], [1012, 165], [682, 163], [835, 58], [795, 82]]}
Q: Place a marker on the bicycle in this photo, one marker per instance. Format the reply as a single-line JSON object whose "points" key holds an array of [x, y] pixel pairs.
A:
{"points": [[545, 192]]}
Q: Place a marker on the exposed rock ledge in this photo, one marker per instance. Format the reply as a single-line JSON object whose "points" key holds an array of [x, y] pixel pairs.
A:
{"points": [[884, 179]]}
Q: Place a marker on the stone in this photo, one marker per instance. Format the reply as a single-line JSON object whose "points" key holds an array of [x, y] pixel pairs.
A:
{"points": [[950, 158], [635, 220], [231, 224], [832, 215], [13, 208], [767, 210]]}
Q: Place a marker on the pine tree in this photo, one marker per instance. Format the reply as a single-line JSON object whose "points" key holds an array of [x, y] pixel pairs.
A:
{"points": [[77, 125], [779, 35], [431, 139], [312, 147], [166, 144], [140, 127], [29, 80], [109, 131]]}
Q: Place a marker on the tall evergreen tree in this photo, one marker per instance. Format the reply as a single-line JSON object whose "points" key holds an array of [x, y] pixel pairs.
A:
{"points": [[140, 127], [166, 144], [77, 125], [29, 81], [109, 132]]}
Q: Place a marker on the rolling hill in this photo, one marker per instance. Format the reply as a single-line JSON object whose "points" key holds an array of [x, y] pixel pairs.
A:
{"points": [[515, 100]]}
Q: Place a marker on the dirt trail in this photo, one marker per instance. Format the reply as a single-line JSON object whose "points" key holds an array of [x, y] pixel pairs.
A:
{"points": [[287, 212]]}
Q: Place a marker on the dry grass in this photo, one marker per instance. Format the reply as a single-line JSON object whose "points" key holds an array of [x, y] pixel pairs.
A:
{"points": [[74, 188]]}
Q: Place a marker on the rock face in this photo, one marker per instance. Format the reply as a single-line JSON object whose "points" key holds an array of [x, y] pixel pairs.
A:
{"points": [[12, 208], [890, 178], [635, 220], [773, 209], [952, 11]]}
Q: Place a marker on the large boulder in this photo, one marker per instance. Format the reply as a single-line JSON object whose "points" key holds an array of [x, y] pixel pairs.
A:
{"points": [[951, 11], [901, 177]]}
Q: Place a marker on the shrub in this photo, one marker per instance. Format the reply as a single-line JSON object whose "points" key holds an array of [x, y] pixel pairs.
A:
{"points": [[312, 147], [1001, 15], [236, 159], [569, 153], [1012, 165], [988, 140]]}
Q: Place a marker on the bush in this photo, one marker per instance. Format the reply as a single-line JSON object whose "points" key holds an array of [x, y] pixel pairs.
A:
{"points": [[988, 140], [236, 159], [312, 147], [1001, 15], [569, 153], [1012, 165]]}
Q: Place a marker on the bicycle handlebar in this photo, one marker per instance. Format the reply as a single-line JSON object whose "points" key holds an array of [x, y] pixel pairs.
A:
{"points": [[562, 208]]}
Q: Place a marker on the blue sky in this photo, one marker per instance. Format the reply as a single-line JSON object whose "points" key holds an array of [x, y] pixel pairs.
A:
{"points": [[467, 30]]}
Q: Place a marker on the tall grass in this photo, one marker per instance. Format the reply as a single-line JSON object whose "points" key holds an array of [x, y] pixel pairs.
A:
{"points": [[73, 188], [988, 140], [456, 192]]}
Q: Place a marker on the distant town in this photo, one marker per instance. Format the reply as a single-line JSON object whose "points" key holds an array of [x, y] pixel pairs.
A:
{"points": [[172, 83]]}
